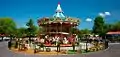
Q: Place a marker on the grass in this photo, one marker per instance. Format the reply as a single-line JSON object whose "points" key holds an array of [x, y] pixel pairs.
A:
{"points": [[71, 52]]}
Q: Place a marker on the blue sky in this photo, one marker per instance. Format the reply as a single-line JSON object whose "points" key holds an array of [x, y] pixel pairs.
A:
{"points": [[22, 10]]}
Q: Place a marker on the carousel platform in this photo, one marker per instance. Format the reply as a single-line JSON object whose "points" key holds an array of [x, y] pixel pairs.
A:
{"points": [[63, 49], [31, 51]]}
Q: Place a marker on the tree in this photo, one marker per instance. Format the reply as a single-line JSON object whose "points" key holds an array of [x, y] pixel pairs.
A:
{"points": [[107, 27], [116, 26], [98, 27], [85, 31], [31, 30], [21, 32], [112, 27], [7, 26], [75, 31]]}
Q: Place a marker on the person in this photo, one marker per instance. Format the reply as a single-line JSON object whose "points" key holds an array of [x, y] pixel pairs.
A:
{"points": [[9, 44], [106, 43], [58, 46], [16, 44]]}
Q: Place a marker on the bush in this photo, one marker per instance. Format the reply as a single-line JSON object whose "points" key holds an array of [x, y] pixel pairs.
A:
{"points": [[71, 52], [48, 49], [83, 51]]}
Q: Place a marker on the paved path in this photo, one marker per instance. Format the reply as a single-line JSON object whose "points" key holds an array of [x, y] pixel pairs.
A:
{"points": [[113, 51]]}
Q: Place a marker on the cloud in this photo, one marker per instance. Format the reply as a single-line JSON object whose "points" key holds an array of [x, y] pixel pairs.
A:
{"points": [[107, 13], [102, 14], [88, 19]]}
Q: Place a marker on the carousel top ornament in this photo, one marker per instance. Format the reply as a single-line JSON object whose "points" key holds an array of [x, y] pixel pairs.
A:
{"points": [[59, 12]]}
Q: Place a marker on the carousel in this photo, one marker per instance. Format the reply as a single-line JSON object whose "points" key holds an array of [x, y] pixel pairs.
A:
{"points": [[55, 37], [57, 29]]}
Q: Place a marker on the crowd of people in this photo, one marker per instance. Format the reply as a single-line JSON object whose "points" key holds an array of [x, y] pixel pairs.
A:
{"points": [[46, 40]]}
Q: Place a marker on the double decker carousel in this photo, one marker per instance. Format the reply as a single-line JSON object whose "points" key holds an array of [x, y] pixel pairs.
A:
{"points": [[57, 29], [55, 32]]}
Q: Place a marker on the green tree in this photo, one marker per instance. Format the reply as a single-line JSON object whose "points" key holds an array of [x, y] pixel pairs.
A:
{"points": [[31, 30], [21, 32], [107, 27], [75, 31], [7, 26], [85, 31], [116, 26], [99, 24], [112, 27]]}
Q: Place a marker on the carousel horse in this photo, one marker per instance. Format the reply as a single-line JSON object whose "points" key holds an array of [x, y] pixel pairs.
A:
{"points": [[65, 41]]}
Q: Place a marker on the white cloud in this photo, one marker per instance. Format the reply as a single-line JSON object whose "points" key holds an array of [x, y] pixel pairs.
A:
{"points": [[88, 19], [102, 14], [107, 13]]}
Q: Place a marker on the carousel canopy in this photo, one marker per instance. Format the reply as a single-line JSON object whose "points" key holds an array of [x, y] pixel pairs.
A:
{"points": [[58, 17]]}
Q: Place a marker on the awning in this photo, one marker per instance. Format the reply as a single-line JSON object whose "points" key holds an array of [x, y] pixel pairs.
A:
{"points": [[117, 32]]}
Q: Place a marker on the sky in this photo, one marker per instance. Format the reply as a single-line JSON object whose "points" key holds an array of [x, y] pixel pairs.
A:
{"points": [[86, 10]]}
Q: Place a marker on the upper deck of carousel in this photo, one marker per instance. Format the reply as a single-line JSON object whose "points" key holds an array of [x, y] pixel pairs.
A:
{"points": [[58, 19]]}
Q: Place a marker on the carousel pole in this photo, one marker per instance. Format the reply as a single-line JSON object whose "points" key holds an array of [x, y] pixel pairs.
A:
{"points": [[46, 28], [49, 29], [61, 28], [70, 28]]}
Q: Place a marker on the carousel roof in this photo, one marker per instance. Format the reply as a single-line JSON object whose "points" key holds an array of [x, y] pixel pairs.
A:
{"points": [[58, 17]]}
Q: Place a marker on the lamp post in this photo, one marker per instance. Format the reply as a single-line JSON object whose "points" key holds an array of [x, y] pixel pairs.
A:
{"points": [[106, 42], [10, 42], [86, 42]]}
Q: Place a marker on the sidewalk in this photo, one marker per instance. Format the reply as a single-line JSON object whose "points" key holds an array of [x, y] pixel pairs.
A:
{"points": [[113, 43]]}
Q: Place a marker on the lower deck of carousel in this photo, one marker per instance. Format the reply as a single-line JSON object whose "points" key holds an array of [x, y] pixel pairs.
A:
{"points": [[64, 49]]}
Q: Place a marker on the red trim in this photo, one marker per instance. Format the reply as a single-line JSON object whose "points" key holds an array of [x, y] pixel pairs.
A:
{"points": [[63, 45]]}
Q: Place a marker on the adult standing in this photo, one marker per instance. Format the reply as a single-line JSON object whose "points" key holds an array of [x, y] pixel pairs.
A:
{"points": [[9, 44]]}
